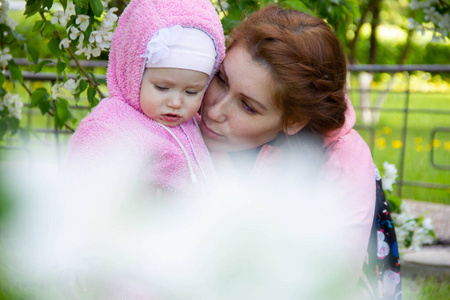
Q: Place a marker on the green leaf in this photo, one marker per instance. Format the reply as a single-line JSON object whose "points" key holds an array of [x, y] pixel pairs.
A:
{"points": [[93, 103], [40, 65], [32, 7], [14, 71], [63, 3], [81, 6], [297, 5], [82, 86], [2, 78], [49, 29], [38, 26], [53, 46], [38, 96], [44, 107], [48, 4], [63, 112], [91, 94], [394, 203], [33, 52], [97, 7], [13, 125], [60, 66], [3, 128]]}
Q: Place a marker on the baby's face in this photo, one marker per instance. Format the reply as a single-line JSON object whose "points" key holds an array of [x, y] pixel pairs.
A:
{"points": [[171, 96]]}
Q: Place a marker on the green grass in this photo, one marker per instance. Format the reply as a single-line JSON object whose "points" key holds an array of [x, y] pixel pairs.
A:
{"points": [[417, 166], [426, 288]]}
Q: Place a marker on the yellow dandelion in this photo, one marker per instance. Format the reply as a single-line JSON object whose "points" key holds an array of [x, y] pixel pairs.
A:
{"points": [[418, 140], [381, 143], [447, 145], [386, 130], [397, 144], [428, 147], [419, 148], [436, 143]]}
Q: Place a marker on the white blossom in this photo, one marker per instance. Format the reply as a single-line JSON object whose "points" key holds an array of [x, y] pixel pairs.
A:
{"points": [[83, 21], [109, 18], [4, 57], [70, 85], [64, 43], [426, 224], [74, 33], [59, 17], [70, 10], [390, 173], [13, 104], [57, 90], [11, 23], [437, 22]]}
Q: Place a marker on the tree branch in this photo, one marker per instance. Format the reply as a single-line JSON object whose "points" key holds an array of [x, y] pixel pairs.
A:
{"points": [[48, 112], [74, 57], [221, 7]]}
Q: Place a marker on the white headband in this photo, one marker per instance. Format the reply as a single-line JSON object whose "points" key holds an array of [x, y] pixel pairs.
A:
{"points": [[181, 48]]}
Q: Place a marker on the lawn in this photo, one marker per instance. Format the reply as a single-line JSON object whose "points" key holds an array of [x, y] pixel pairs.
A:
{"points": [[388, 143]]}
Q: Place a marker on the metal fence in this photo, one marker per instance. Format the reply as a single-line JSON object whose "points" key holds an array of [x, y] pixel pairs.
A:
{"points": [[55, 139]]}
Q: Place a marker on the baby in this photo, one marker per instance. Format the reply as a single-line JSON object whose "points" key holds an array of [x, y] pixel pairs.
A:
{"points": [[163, 55]]}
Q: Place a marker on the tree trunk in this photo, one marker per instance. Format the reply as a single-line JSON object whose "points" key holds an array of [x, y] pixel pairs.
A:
{"points": [[365, 79], [382, 97]]}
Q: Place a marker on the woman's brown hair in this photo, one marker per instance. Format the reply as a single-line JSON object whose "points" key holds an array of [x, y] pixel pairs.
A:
{"points": [[307, 64]]}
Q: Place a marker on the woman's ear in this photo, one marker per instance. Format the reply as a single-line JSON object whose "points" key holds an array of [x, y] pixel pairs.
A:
{"points": [[294, 127]]}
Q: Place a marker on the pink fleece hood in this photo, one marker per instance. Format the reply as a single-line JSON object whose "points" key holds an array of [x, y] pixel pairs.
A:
{"points": [[136, 26], [350, 119]]}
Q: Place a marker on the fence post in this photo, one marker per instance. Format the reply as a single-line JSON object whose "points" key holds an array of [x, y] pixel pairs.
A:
{"points": [[404, 133]]}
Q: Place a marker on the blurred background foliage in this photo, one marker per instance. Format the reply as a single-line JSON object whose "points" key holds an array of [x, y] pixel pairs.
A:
{"points": [[372, 31]]}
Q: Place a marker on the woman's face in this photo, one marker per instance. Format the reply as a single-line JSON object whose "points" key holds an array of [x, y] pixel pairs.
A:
{"points": [[238, 110]]}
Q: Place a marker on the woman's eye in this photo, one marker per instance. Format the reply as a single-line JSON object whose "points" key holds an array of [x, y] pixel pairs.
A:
{"points": [[248, 108], [220, 79], [161, 88]]}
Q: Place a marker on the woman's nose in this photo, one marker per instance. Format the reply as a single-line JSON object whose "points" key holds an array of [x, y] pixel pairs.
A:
{"points": [[217, 110], [175, 101]]}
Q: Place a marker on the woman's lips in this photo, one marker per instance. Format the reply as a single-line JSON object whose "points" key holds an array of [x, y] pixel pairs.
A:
{"points": [[171, 118], [208, 132]]}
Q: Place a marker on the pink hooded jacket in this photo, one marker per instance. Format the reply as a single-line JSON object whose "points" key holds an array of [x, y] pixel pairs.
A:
{"points": [[118, 121]]}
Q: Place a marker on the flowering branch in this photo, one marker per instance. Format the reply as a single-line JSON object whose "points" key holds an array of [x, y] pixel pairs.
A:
{"points": [[77, 62]]}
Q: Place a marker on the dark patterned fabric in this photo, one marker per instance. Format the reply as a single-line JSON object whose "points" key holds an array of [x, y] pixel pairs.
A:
{"points": [[382, 266]]}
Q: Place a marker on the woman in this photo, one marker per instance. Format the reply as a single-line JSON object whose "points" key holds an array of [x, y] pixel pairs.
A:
{"points": [[283, 83]]}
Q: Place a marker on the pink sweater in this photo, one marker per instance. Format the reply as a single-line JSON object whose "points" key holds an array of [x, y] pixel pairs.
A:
{"points": [[118, 125]]}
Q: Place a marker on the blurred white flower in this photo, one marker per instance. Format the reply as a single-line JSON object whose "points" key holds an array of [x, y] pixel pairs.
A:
{"points": [[70, 85], [70, 10], [426, 224], [83, 21], [390, 173], [4, 57], [57, 90], [59, 17], [11, 23], [109, 18], [13, 104], [74, 32], [64, 43]]}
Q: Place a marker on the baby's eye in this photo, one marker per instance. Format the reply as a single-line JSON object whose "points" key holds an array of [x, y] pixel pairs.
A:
{"points": [[161, 87], [248, 108], [192, 92]]}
